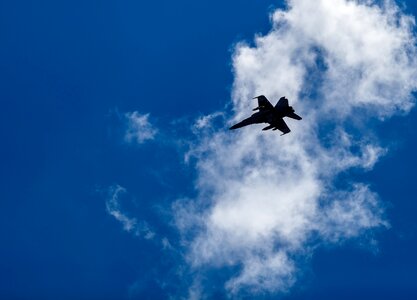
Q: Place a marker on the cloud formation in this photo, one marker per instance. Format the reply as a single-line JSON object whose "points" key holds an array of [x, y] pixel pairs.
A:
{"points": [[265, 199], [139, 129], [130, 224]]}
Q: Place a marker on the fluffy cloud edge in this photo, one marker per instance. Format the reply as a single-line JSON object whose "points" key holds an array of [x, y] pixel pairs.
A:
{"points": [[259, 206]]}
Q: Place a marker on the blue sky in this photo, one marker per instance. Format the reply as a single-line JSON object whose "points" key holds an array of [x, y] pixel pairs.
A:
{"points": [[71, 72]]}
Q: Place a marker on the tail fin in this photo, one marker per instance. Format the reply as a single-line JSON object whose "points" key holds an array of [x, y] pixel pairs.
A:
{"points": [[283, 102]]}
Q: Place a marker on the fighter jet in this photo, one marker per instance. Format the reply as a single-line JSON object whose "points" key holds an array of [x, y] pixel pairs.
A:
{"points": [[270, 114]]}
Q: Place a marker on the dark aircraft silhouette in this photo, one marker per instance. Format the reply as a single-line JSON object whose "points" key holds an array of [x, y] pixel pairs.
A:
{"points": [[270, 114]]}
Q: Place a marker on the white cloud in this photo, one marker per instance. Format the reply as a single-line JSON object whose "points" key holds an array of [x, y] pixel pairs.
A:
{"points": [[139, 129], [130, 224], [205, 121], [264, 199]]}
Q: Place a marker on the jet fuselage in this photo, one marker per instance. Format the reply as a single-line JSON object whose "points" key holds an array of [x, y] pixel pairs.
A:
{"points": [[270, 114]]}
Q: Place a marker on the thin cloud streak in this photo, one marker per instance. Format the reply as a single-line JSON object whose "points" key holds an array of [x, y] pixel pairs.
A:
{"points": [[265, 199], [130, 224]]}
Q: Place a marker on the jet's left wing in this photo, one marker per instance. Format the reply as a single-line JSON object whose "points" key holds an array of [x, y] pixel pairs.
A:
{"points": [[263, 103], [281, 126]]}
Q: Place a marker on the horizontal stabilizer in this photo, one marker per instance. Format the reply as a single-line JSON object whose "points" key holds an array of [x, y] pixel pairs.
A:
{"points": [[293, 115]]}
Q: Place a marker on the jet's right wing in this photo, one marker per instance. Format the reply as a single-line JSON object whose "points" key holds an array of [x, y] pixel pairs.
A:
{"points": [[281, 126]]}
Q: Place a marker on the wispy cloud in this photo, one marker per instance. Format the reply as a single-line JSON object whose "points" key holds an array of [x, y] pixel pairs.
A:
{"points": [[265, 199], [206, 120], [139, 129], [130, 224]]}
